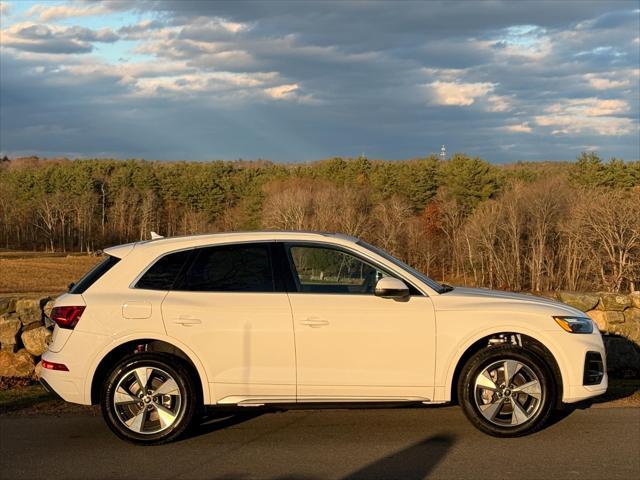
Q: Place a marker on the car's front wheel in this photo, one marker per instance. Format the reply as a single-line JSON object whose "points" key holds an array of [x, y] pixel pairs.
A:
{"points": [[149, 399], [507, 391]]}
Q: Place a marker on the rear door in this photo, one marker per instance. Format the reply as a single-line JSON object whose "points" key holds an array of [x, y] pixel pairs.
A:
{"points": [[229, 307]]}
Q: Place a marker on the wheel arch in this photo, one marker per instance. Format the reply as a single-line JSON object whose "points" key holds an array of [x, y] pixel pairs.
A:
{"points": [[481, 341], [143, 343]]}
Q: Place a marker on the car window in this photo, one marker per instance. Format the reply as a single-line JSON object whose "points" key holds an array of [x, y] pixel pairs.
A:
{"points": [[432, 283], [230, 268], [93, 275], [328, 270], [163, 273]]}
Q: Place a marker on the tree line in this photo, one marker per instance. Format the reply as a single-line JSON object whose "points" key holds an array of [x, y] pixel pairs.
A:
{"points": [[525, 226]]}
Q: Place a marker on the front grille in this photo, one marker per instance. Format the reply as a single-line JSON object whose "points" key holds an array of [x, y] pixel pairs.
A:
{"points": [[593, 369]]}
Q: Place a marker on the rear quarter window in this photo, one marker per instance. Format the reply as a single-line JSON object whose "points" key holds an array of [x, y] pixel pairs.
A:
{"points": [[164, 272], [93, 275]]}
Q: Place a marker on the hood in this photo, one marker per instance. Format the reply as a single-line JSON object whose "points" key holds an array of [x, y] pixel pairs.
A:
{"points": [[484, 299]]}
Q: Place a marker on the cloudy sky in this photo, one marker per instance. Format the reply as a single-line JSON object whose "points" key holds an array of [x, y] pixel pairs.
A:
{"points": [[297, 81]]}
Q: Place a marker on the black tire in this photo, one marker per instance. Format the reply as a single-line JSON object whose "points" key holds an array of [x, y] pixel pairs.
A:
{"points": [[184, 399], [498, 404]]}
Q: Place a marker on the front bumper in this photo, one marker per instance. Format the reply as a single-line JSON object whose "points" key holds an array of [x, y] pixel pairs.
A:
{"points": [[592, 373], [577, 393]]}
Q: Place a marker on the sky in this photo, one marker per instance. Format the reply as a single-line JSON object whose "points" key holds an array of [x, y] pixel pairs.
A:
{"points": [[297, 81]]}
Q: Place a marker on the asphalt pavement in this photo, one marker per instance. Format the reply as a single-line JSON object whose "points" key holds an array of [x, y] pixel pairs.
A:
{"points": [[404, 443]]}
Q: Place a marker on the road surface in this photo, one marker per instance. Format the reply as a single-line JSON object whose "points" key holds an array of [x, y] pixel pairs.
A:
{"points": [[406, 444]]}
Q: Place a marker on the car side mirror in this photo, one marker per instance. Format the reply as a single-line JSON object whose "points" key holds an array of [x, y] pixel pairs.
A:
{"points": [[389, 287]]}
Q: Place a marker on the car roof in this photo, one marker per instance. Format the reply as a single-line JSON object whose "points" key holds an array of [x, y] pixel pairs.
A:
{"points": [[189, 241]]}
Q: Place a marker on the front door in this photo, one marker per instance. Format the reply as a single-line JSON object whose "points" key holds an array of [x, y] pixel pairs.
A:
{"points": [[350, 344], [230, 310]]}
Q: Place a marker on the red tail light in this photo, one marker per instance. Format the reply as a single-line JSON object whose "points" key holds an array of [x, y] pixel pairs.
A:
{"points": [[66, 317], [54, 366]]}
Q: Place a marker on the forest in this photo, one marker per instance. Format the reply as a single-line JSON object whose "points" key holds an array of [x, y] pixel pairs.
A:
{"points": [[524, 227]]}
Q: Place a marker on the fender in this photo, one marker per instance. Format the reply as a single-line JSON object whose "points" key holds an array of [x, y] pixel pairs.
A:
{"points": [[546, 340], [206, 393]]}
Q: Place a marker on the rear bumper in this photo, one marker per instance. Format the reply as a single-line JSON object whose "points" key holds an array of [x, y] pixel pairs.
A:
{"points": [[48, 388], [65, 385]]}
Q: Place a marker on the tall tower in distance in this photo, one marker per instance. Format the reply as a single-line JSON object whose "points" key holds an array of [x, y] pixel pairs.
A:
{"points": [[443, 153]]}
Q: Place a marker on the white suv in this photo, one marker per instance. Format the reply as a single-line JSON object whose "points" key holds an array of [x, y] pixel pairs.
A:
{"points": [[162, 328]]}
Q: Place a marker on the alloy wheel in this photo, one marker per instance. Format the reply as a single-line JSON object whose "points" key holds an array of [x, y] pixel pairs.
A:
{"points": [[508, 393], [147, 400]]}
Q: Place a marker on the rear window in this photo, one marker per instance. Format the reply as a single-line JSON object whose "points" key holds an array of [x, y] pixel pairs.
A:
{"points": [[230, 268], [163, 274], [94, 274]]}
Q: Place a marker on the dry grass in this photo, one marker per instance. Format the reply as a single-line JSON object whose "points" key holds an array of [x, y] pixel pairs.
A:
{"points": [[29, 272]]}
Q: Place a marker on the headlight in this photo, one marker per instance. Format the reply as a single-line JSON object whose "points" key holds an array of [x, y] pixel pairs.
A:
{"points": [[575, 324]]}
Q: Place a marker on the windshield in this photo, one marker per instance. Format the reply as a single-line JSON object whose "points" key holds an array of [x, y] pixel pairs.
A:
{"points": [[432, 283]]}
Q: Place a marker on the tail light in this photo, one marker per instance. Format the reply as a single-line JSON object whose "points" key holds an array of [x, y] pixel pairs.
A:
{"points": [[54, 366], [67, 317]]}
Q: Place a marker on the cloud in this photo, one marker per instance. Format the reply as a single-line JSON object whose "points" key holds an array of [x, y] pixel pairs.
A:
{"points": [[499, 103], [458, 93], [602, 83], [574, 116], [303, 80], [57, 12], [44, 38], [5, 9], [518, 128], [282, 91], [528, 42], [143, 29], [577, 124], [591, 107]]}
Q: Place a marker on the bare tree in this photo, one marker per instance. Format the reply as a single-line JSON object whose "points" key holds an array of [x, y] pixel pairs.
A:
{"points": [[612, 220]]}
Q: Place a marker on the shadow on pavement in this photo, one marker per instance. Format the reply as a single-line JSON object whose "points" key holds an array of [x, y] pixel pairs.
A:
{"points": [[412, 463], [219, 420]]}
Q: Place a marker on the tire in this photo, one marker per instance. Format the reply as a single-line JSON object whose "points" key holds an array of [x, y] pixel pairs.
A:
{"points": [[507, 409], [161, 414]]}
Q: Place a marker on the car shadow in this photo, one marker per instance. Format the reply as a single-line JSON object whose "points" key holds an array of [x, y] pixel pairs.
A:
{"points": [[411, 463], [220, 418], [414, 462]]}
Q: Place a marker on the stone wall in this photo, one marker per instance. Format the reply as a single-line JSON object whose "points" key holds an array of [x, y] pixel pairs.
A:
{"points": [[618, 318], [23, 334], [24, 330]]}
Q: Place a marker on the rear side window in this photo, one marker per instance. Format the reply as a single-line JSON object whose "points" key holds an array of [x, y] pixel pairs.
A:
{"points": [[93, 275], [230, 268], [163, 274]]}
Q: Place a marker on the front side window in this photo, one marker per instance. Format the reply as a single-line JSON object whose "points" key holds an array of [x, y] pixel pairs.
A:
{"points": [[328, 270], [230, 268], [432, 283]]}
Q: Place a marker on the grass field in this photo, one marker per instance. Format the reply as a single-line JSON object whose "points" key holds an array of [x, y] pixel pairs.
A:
{"points": [[35, 272]]}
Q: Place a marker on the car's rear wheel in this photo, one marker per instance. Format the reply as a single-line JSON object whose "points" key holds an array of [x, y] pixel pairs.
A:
{"points": [[149, 399], [507, 391]]}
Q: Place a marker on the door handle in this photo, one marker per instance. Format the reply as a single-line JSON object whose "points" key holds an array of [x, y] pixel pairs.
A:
{"points": [[187, 321], [314, 322]]}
